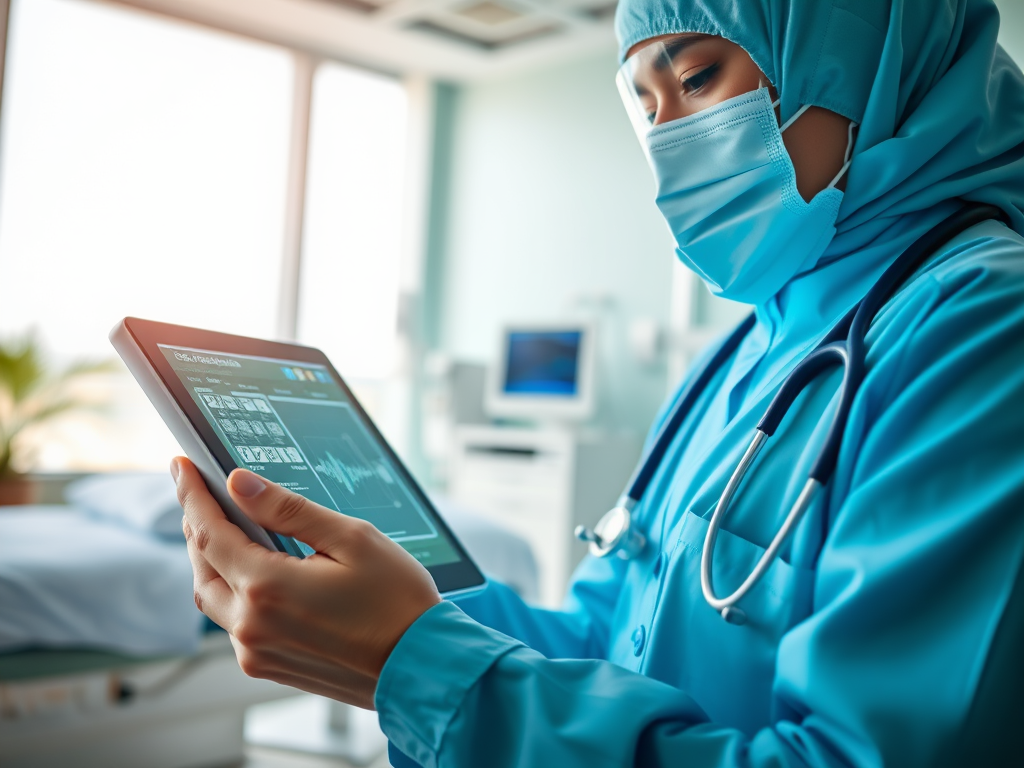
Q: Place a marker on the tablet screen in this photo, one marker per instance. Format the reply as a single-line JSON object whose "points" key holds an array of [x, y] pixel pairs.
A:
{"points": [[292, 423]]}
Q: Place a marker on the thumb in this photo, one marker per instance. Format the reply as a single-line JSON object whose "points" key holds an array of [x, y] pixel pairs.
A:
{"points": [[286, 512]]}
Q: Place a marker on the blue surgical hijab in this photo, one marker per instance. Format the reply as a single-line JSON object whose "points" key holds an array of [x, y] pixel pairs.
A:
{"points": [[940, 109]]}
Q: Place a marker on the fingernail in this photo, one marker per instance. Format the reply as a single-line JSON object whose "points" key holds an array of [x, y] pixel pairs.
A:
{"points": [[246, 483], [175, 470]]}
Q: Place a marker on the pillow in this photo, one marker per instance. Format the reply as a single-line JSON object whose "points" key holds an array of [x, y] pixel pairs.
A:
{"points": [[143, 501]]}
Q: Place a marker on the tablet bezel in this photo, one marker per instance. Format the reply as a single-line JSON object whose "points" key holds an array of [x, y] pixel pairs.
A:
{"points": [[148, 335]]}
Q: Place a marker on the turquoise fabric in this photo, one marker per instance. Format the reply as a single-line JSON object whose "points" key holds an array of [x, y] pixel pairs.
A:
{"points": [[889, 631]]}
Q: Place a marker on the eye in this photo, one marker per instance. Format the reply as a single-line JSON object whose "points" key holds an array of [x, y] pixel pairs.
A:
{"points": [[650, 110], [699, 80]]}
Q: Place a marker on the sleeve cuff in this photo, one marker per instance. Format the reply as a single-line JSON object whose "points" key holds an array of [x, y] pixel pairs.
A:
{"points": [[435, 663]]}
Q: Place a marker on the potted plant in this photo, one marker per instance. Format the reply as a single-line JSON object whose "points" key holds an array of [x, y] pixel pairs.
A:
{"points": [[31, 394]]}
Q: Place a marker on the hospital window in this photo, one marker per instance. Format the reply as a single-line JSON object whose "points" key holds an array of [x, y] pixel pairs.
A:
{"points": [[352, 236], [144, 166]]}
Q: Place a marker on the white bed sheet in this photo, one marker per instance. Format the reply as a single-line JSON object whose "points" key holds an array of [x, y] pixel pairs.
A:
{"points": [[67, 579], [71, 579], [500, 553]]}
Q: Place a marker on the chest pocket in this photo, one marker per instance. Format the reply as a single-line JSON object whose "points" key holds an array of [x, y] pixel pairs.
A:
{"points": [[780, 599], [730, 669]]}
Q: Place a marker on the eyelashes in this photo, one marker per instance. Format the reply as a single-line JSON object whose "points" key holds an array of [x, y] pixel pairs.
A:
{"points": [[690, 85], [699, 80]]}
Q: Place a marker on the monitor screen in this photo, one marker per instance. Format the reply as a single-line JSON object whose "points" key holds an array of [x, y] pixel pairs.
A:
{"points": [[544, 363]]}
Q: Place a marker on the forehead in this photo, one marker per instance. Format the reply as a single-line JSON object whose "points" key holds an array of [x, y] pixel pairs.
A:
{"points": [[675, 43], [655, 63]]}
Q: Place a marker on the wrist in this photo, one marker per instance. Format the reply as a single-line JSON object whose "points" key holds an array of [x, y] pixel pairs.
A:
{"points": [[400, 627]]}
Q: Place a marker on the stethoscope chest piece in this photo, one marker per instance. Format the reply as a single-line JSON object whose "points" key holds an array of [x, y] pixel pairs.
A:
{"points": [[614, 534]]}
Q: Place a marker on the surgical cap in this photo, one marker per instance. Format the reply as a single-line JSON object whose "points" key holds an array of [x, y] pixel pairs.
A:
{"points": [[939, 104]]}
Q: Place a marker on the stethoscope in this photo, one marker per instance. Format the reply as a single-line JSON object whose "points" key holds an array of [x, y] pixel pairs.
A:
{"points": [[843, 346]]}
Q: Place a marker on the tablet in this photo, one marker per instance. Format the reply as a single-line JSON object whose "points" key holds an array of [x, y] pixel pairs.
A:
{"points": [[282, 411]]}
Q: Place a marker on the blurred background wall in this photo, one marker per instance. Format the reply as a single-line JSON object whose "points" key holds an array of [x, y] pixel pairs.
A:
{"points": [[550, 215]]}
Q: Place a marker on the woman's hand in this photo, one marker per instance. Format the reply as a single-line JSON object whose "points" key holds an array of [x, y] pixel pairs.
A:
{"points": [[325, 624]]}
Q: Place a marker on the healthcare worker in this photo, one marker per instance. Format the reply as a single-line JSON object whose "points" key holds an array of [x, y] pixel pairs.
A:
{"points": [[890, 628]]}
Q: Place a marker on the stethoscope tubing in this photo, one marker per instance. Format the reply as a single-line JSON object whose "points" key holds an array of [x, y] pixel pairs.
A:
{"points": [[822, 358], [644, 472], [850, 332], [843, 346]]}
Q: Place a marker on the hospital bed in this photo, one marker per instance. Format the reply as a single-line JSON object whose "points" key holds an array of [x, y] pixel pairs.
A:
{"points": [[90, 708], [104, 660]]}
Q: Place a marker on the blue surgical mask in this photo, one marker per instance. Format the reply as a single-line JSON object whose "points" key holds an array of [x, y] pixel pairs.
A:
{"points": [[726, 187]]}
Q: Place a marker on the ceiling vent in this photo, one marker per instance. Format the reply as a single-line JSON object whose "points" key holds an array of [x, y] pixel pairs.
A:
{"points": [[361, 6], [601, 11], [487, 24], [490, 13], [439, 28]]}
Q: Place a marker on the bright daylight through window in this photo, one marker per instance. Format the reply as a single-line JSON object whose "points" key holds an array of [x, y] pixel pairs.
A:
{"points": [[143, 172], [351, 245]]}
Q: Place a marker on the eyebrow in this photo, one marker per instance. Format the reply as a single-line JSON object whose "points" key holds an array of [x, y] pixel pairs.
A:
{"points": [[672, 49], [676, 46]]}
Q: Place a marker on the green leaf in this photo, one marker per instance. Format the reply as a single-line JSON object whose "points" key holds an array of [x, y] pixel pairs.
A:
{"points": [[21, 367], [33, 393]]}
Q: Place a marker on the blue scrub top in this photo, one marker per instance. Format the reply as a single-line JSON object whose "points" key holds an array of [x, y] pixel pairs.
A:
{"points": [[877, 643], [890, 629]]}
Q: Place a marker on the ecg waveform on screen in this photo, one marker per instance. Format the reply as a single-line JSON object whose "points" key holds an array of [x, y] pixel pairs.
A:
{"points": [[361, 482], [352, 472], [348, 475]]}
